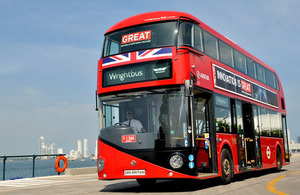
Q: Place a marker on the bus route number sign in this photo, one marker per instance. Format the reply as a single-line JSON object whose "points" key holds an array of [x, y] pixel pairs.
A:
{"points": [[128, 138]]}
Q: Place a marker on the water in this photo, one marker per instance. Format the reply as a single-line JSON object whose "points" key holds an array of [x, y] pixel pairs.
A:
{"points": [[23, 168]]}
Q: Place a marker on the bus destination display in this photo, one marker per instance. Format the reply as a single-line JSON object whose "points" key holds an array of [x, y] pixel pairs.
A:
{"points": [[154, 70]]}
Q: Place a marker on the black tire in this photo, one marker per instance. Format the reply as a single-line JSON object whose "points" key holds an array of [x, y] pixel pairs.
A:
{"points": [[278, 161], [226, 166], [146, 182]]}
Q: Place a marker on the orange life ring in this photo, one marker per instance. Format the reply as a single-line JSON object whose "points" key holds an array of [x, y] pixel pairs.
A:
{"points": [[58, 169]]}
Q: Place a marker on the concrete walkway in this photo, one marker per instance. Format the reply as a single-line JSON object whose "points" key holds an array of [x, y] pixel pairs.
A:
{"points": [[59, 184], [85, 181]]}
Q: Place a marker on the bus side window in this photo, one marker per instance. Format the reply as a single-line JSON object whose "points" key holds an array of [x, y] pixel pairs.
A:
{"points": [[114, 48], [222, 114], [264, 121], [201, 116], [256, 121], [239, 117], [226, 54], [210, 45], [110, 114], [270, 78], [111, 47], [185, 32], [198, 39], [260, 73], [275, 121]]}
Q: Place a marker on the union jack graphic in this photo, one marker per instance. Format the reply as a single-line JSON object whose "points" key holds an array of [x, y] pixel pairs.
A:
{"points": [[134, 57], [116, 59], [153, 53]]}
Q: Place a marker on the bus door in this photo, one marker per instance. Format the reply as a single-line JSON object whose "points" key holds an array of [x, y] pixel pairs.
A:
{"points": [[202, 127], [257, 135], [248, 147]]}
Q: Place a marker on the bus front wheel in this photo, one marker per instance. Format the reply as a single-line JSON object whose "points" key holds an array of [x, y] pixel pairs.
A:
{"points": [[226, 166]]}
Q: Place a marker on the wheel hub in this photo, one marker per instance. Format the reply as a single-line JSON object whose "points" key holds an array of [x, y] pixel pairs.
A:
{"points": [[226, 167]]}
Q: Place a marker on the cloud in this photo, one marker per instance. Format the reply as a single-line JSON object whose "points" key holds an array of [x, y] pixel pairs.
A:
{"points": [[8, 68], [30, 91]]}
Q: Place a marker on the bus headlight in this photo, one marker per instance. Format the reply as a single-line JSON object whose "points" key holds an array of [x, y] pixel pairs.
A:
{"points": [[176, 161], [100, 164]]}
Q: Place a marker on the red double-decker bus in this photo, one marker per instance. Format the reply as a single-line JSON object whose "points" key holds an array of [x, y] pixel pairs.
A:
{"points": [[176, 99]]}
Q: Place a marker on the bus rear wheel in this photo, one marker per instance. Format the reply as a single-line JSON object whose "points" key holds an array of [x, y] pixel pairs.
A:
{"points": [[226, 166], [146, 182], [278, 161]]}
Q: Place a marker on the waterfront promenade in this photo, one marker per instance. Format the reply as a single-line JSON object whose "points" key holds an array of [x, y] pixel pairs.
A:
{"points": [[261, 182]]}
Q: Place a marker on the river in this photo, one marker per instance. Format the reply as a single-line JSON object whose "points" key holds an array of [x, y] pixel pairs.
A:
{"points": [[23, 168]]}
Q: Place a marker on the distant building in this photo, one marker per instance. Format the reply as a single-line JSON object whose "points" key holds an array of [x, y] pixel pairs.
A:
{"points": [[52, 148], [77, 154], [96, 149], [292, 142], [42, 145], [79, 146], [295, 148], [43, 149], [60, 151], [85, 148], [72, 153]]}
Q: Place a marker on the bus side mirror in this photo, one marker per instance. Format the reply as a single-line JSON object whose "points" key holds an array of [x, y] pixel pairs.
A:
{"points": [[96, 100], [189, 85], [193, 77]]}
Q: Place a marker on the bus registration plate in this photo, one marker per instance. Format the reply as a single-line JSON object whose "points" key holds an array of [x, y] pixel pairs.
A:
{"points": [[134, 172]]}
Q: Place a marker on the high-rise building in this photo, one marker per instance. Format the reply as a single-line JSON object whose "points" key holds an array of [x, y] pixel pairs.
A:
{"points": [[85, 148], [42, 145], [79, 146], [52, 148]]}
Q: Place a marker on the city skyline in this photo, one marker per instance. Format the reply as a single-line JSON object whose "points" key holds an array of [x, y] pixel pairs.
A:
{"points": [[72, 154]]}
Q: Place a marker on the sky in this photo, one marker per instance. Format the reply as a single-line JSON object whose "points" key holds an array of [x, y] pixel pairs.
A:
{"points": [[49, 52]]}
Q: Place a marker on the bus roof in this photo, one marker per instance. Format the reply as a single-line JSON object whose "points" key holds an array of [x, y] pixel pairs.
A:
{"points": [[159, 16], [148, 18]]}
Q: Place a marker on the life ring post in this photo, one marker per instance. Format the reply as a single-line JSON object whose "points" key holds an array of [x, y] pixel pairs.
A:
{"points": [[57, 164]]}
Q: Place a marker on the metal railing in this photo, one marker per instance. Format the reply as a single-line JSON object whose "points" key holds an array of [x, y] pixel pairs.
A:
{"points": [[33, 156]]}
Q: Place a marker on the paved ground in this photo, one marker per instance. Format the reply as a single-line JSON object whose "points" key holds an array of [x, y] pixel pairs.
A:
{"points": [[262, 182]]}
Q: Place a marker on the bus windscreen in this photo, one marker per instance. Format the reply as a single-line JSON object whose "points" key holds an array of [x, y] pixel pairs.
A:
{"points": [[139, 38]]}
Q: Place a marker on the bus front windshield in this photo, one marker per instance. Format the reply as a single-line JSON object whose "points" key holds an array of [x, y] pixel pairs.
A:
{"points": [[140, 38], [155, 119]]}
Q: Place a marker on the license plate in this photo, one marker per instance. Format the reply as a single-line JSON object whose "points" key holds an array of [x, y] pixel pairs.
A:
{"points": [[134, 172]]}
